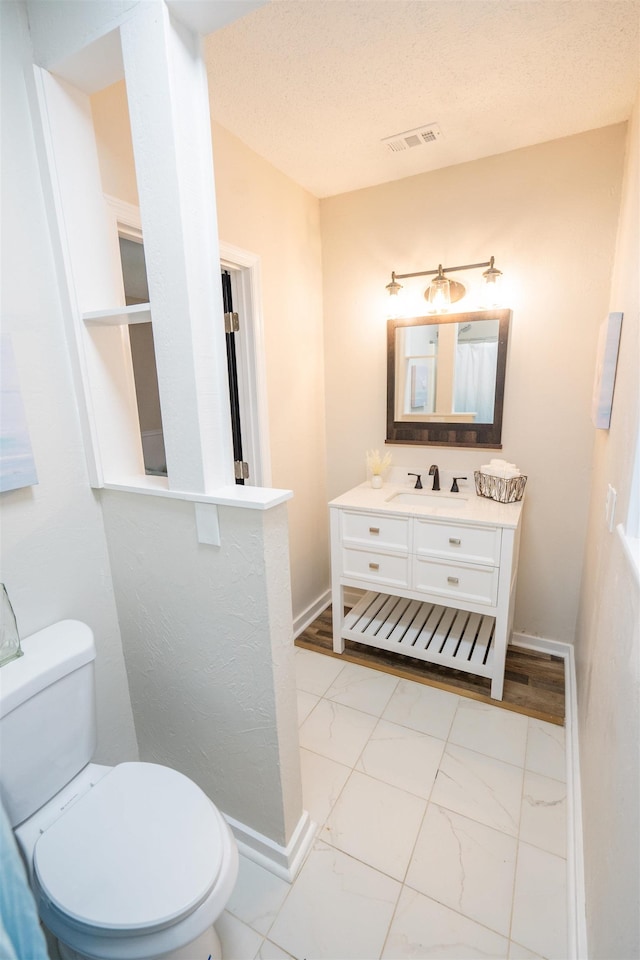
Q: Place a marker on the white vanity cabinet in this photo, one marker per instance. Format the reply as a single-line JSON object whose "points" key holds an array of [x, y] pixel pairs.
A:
{"points": [[439, 579]]}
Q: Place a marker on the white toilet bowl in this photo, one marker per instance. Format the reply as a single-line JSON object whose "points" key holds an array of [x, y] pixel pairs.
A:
{"points": [[137, 867], [131, 862]]}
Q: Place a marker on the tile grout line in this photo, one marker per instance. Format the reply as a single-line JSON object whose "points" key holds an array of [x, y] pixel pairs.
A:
{"points": [[515, 866], [428, 801], [404, 884]]}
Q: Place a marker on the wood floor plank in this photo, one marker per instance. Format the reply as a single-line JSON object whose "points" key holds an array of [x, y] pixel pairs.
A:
{"points": [[534, 682]]}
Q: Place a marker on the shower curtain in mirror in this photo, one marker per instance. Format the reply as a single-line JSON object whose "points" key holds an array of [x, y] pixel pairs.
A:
{"points": [[475, 379]]}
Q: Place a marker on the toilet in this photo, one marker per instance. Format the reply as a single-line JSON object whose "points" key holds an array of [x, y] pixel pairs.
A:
{"points": [[131, 862]]}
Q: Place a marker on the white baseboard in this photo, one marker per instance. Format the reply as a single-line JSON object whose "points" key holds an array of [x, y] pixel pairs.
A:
{"points": [[285, 862], [351, 597], [556, 647], [307, 616], [576, 900]]}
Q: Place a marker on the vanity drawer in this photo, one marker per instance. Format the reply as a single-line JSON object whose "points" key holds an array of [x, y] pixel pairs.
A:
{"points": [[458, 541], [376, 532], [376, 567], [457, 581]]}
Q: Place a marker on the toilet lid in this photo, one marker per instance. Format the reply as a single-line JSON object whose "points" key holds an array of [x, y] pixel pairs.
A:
{"points": [[139, 851]]}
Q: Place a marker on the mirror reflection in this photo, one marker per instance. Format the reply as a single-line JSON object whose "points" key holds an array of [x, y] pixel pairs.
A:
{"points": [[446, 378], [447, 372]]}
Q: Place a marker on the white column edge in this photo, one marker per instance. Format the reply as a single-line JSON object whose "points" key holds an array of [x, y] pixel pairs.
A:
{"points": [[284, 862], [576, 896]]}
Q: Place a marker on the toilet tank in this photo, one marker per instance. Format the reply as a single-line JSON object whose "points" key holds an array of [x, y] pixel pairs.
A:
{"points": [[47, 716]]}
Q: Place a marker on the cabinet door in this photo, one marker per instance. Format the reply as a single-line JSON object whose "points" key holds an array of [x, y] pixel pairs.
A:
{"points": [[458, 541]]}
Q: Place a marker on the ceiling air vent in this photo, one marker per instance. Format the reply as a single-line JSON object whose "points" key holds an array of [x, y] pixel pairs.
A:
{"points": [[413, 138]]}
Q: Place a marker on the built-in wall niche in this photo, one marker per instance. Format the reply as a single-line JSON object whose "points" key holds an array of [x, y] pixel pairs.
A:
{"points": [[143, 357], [179, 199], [445, 378], [135, 321]]}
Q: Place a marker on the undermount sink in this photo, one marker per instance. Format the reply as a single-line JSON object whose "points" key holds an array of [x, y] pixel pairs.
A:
{"points": [[427, 500]]}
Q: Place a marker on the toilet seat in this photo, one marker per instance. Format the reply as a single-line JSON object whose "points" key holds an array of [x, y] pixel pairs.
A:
{"points": [[119, 862]]}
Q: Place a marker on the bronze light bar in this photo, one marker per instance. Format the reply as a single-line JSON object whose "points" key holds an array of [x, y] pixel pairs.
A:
{"points": [[442, 289]]}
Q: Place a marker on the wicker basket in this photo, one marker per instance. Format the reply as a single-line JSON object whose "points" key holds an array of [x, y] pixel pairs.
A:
{"points": [[495, 488]]}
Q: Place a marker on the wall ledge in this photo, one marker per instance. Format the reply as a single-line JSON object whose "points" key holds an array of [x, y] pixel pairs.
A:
{"points": [[243, 497]]}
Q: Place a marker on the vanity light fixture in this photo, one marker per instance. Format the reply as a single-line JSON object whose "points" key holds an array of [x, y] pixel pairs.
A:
{"points": [[492, 290], [442, 291], [438, 293]]}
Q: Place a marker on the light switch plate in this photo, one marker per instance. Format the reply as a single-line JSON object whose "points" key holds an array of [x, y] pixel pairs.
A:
{"points": [[610, 507]]}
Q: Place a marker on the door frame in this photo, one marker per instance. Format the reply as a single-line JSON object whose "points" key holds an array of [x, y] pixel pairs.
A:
{"points": [[246, 285]]}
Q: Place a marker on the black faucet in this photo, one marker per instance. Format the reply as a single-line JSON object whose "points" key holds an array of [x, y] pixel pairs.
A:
{"points": [[418, 485], [435, 473], [454, 486]]}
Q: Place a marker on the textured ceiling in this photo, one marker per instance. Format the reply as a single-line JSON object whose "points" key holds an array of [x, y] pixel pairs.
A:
{"points": [[315, 85]]}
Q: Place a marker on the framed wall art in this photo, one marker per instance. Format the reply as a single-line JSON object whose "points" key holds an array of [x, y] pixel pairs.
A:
{"points": [[605, 377]]}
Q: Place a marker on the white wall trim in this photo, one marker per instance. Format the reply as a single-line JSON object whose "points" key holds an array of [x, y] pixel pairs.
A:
{"points": [[542, 644], [246, 271], [44, 140], [631, 548], [284, 862], [576, 898], [126, 215], [303, 620]]}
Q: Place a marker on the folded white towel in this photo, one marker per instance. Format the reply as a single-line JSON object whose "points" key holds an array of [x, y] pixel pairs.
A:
{"points": [[501, 472]]}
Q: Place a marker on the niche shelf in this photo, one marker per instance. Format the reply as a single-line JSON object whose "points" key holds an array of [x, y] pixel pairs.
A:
{"points": [[119, 316]]}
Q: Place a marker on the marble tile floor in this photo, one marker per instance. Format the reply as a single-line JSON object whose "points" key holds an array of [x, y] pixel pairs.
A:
{"points": [[441, 830]]}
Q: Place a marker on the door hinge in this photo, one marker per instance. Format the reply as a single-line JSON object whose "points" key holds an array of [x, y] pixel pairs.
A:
{"points": [[231, 323], [241, 468]]}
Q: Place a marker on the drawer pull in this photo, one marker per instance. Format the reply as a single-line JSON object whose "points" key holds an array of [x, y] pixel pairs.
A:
{"points": [[374, 529], [455, 541], [374, 566], [452, 580]]}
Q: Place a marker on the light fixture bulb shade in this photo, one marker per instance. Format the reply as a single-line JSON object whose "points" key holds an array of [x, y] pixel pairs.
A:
{"points": [[492, 287], [396, 307], [394, 287], [440, 294]]}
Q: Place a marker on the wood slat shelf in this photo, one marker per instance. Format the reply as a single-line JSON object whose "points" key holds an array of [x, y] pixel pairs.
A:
{"points": [[428, 631]]}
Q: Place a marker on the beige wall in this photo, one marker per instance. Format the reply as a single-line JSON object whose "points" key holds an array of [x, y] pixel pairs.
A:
{"points": [[113, 138], [608, 636], [548, 213], [264, 212]]}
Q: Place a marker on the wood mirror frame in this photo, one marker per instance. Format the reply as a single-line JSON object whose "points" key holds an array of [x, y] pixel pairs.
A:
{"points": [[442, 433]]}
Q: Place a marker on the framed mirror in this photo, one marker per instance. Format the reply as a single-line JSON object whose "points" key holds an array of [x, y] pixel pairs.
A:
{"points": [[445, 378]]}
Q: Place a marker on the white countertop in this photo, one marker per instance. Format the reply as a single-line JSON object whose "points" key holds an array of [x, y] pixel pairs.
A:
{"points": [[469, 509]]}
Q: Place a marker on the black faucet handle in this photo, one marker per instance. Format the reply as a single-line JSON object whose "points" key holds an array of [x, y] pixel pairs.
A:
{"points": [[454, 486], [418, 485]]}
